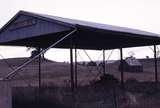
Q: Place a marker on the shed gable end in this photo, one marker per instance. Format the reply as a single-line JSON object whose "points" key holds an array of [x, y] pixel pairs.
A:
{"points": [[25, 26]]}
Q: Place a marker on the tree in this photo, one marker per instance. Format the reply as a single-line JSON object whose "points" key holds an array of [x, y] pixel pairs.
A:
{"points": [[35, 51]]}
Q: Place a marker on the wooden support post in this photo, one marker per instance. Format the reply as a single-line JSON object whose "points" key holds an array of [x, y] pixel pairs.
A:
{"points": [[155, 64], [104, 63], [76, 80], [71, 69], [121, 68]]}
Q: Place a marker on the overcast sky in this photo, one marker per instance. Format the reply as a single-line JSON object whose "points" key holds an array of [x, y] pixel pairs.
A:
{"points": [[139, 14]]}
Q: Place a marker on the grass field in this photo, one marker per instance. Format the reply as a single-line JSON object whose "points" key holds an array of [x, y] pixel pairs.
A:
{"points": [[140, 89]]}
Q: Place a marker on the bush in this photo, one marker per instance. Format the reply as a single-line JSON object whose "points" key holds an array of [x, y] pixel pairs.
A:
{"points": [[131, 81], [107, 79]]}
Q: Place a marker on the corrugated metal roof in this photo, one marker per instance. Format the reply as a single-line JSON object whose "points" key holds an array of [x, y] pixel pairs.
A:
{"points": [[89, 35], [74, 22], [98, 25]]}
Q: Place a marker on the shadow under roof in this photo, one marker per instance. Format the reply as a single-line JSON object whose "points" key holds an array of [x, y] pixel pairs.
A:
{"points": [[40, 30]]}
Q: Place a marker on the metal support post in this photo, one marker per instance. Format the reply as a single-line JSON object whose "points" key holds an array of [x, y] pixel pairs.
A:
{"points": [[121, 68], [76, 80], [39, 68], [155, 64], [104, 63], [71, 69]]}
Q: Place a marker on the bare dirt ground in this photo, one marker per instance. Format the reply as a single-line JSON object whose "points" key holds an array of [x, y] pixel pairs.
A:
{"points": [[140, 92]]}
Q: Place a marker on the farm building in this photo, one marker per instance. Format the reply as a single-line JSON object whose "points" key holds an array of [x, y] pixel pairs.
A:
{"points": [[45, 31], [131, 64]]}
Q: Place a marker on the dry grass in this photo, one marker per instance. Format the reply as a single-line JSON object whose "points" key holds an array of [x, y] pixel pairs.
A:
{"points": [[56, 74]]}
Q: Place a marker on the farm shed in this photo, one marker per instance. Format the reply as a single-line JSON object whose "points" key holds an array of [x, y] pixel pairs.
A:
{"points": [[45, 31], [131, 64]]}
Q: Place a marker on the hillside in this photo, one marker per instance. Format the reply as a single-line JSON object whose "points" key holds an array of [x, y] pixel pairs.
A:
{"points": [[59, 73], [91, 95], [52, 72]]}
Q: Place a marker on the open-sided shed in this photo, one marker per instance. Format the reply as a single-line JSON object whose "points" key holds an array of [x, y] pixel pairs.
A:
{"points": [[45, 31]]}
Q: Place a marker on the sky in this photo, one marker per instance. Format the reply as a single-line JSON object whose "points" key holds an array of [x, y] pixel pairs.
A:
{"points": [[138, 14]]}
